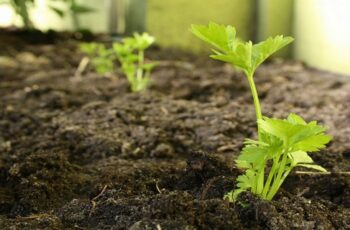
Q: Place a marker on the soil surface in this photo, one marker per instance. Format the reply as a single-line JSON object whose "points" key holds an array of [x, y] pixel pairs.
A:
{"points": [[85, 153]]}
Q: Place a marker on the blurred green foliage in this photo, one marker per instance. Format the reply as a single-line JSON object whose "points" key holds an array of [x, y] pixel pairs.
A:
{"points": [[169, 21], [22, 9]]}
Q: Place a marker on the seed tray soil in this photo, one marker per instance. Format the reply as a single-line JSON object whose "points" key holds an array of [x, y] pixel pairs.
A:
{"points": [[85, 153]]}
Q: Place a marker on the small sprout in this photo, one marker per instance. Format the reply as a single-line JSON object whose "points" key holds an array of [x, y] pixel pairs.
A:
{"points": [[130, 53], [283, 143], [102, 59]]}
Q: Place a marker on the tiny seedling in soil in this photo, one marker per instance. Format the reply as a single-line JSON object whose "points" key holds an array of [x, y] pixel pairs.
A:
{"points": [[130, 53], [102, 58], [283, 144]]}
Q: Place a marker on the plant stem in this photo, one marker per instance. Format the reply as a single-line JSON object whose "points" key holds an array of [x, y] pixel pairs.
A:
{"points": [[269, 178], [139, 68], [260, 179], [277, 182], [256, 100]]}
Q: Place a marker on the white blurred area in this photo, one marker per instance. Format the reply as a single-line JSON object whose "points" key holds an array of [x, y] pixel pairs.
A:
{"points": [[6, 16], [321, 27], [322, 34], [45, 19], [42, 18]]}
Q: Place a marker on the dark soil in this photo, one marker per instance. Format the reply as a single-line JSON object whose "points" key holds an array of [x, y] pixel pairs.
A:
{"points": [[88, 154]]}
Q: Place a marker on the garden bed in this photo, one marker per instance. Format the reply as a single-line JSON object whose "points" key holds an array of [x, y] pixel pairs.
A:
{"points": [[85, 153]]}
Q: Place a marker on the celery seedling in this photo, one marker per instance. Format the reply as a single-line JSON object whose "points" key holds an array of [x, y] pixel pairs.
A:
{"points": [[131, 56], [284, 143], [102, 59]]}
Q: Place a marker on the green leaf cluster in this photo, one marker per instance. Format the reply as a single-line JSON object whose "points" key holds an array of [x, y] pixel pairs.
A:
{"points": [[130, 53], [283, 144], [243, 55], [102, 58]]}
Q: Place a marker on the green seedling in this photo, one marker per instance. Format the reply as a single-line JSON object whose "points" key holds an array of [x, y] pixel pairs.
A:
{"points": [[130, 53], [101, 58], [283, 144]]}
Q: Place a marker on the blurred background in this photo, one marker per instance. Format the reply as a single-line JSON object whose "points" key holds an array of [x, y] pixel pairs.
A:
{"points": [[321, 27]]}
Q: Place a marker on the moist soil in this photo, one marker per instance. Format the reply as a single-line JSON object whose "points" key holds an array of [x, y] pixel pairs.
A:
{"points": [[86, 153]]}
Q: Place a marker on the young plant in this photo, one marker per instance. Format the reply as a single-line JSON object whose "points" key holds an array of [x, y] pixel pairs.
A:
{"points": [[283, 144], [130, 53], [101, 58]]}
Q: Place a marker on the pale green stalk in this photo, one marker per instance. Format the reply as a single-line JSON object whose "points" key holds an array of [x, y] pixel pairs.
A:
{"points": [[277, 182], [139, 68], [256, 100]]}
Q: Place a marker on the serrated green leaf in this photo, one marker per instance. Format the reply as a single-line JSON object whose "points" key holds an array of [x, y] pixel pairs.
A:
{"points": [[245, 180], [243, 164], [272, 141], [293, 131], [313, 143], [220, 36], [264, 49], [253, 154], [239, 58], [295, 119], [243, 55], [307, 132], [299, 157], [141, 41], [279, 128]]}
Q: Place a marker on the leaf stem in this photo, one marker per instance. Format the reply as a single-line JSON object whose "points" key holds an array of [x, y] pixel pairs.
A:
{"points": [[256, 101], [260, 179], [139, 67], [269, 178], [277, 182]]}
